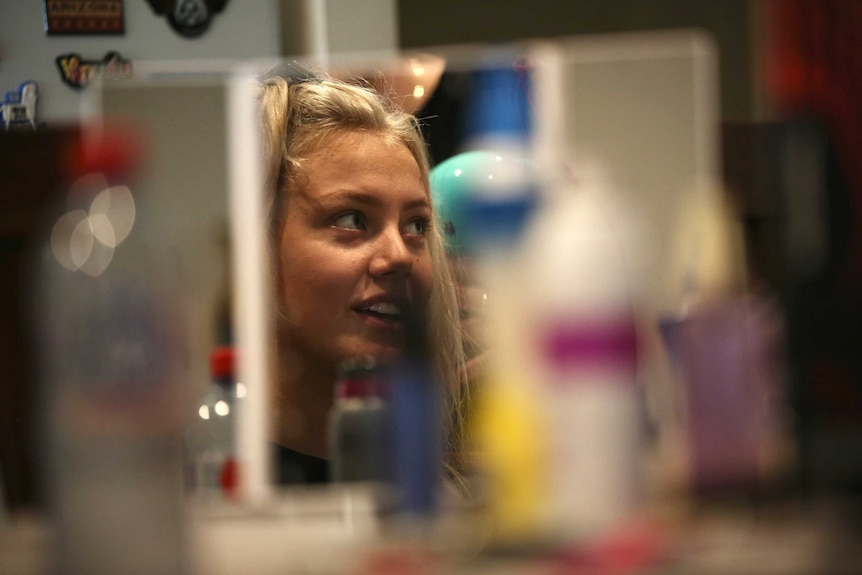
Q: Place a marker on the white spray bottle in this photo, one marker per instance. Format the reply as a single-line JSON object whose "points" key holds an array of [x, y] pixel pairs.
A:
{"points": [[583, 339]]}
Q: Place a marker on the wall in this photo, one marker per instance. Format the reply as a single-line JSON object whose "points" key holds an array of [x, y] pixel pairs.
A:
{"points": [[245, 29], [318, 27]]}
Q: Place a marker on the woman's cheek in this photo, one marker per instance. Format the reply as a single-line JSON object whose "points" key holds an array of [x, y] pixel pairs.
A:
{"points": [[424, 274]]}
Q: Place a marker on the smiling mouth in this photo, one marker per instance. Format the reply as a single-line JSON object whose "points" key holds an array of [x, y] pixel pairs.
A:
{"points": [[384, 310]]}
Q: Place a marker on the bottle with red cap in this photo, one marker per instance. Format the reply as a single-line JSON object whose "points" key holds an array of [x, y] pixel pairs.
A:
{"points": [[211, 438], [359, 423], [111, 340]]}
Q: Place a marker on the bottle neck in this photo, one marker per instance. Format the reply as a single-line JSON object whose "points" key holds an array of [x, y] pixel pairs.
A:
{"points": [[360, 387]]}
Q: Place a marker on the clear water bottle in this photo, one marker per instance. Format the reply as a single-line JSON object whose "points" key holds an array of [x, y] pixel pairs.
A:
{"points": [[359, 423], [211, 438]]}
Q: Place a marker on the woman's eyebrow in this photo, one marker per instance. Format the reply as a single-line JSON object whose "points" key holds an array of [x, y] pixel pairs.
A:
{"points": [[418, 203], [369, 199]]}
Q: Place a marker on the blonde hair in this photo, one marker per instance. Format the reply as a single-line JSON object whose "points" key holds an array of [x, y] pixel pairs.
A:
{"points": [[298, 117]]}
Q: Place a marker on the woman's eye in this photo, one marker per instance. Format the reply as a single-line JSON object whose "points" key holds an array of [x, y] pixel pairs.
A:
{"points": [[350, 221], [417, 227]]}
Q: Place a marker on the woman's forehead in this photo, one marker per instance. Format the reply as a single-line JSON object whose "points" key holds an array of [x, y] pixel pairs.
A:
{"points": [[350, 159], [349, 138], [361, 157]]}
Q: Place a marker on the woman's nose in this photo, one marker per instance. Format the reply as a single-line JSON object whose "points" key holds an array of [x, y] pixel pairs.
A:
{"points": [[391, 255]]}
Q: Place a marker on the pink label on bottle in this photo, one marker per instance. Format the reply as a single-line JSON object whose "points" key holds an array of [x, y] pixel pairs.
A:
{"points": [[596, 345]]}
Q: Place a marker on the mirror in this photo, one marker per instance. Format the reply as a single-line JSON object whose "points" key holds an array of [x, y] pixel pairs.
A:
{"points": [[198, 179], [641, 105]]}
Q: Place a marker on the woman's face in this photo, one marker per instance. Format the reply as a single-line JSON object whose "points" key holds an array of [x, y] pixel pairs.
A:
{"points": [[354, 251]]}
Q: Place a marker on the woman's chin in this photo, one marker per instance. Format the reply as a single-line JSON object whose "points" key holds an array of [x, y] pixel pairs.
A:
{"points": [[384, 354]]}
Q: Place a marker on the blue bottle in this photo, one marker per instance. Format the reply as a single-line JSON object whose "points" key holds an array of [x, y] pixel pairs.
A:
{"points": [[417, 430]]}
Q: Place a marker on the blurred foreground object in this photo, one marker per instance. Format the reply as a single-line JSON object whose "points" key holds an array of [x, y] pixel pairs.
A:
{"points": [[583, 338], [111, 359], [725, 344], [487, 195]]}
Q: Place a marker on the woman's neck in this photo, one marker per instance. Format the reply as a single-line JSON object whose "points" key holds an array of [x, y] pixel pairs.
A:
{"points": [[303, 401]]}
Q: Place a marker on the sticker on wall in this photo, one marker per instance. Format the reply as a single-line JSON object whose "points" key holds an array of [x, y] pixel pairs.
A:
{"points": [[78, 73], [188, 18], [18, 110], [83, 17]]}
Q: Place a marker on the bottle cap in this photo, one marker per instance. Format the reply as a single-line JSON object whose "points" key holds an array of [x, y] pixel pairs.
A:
{"points": [[499, 105], [116, 151], [222, 362], [360, 377]]}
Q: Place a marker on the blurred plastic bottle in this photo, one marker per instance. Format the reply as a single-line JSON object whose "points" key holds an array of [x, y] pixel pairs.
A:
{"points": [[725, 344], [417, 431], [495, 185], [111, 342], [211, 439], [582, 337], [360, 423]]}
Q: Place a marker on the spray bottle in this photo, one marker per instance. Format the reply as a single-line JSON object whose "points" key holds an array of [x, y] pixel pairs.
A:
{"points": [[582, 340], [500, 191]]}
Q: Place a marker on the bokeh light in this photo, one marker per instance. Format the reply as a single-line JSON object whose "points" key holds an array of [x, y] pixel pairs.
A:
{"points": [[84, 240]]}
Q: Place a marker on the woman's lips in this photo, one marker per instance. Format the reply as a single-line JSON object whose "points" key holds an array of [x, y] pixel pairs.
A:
{"points": [[378, 320], [380, 313], [385, 309]]}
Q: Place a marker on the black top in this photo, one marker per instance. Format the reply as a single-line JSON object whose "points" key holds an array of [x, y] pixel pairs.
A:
{"points": [[293, 467]]}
